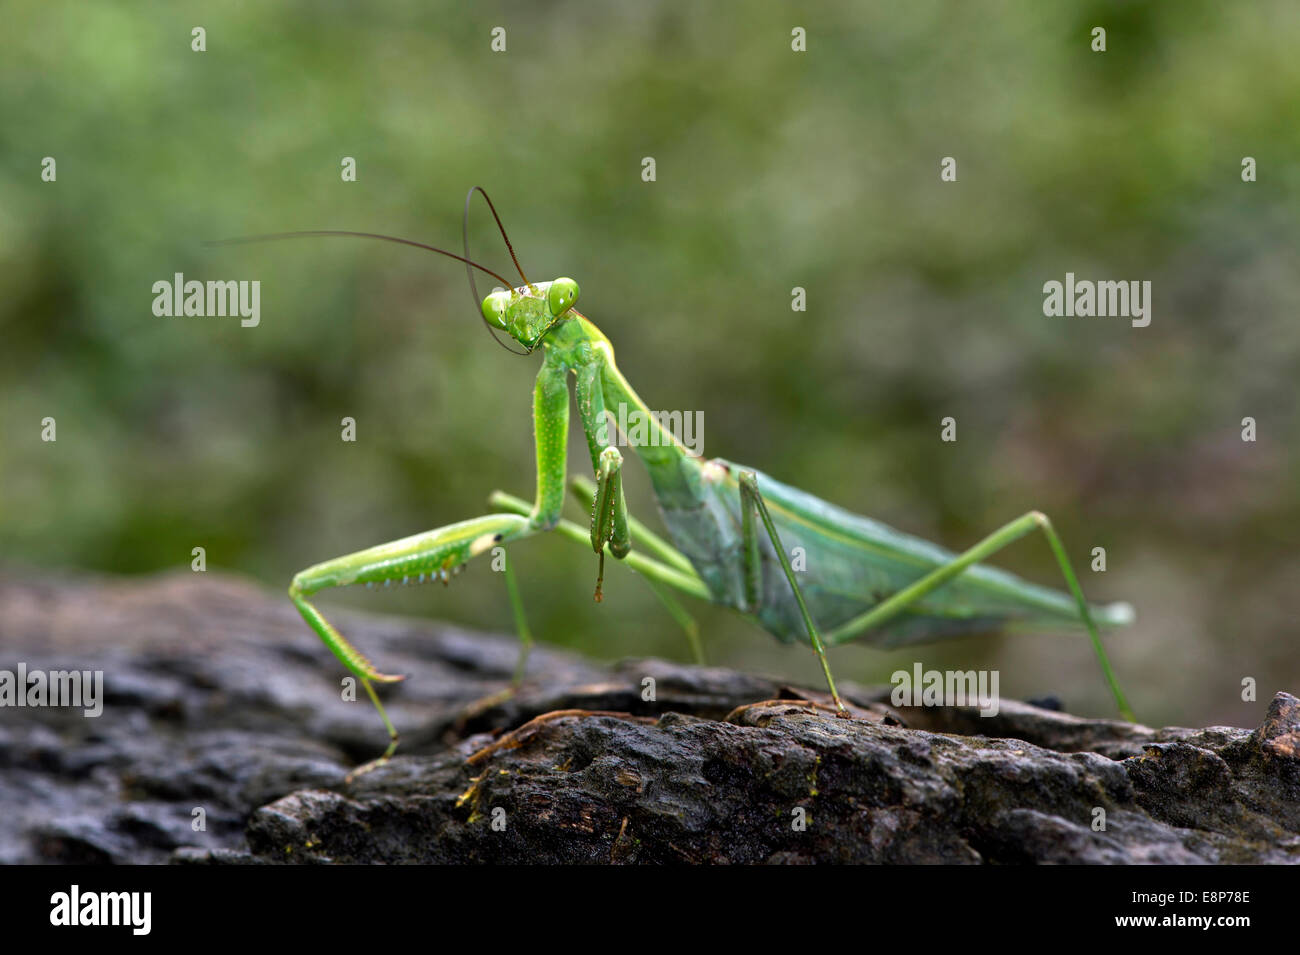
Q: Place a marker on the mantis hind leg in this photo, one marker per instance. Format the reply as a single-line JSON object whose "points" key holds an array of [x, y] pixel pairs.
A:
{"points": [[432, 555], [1008, 533], [752, 505]]}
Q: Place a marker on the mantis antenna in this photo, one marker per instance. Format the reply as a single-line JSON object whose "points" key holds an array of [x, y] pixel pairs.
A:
{"points": [[473, 288], [313, 233]]}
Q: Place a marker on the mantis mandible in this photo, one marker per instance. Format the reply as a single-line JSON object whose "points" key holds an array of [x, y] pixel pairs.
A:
{"points": [[732, 528]]}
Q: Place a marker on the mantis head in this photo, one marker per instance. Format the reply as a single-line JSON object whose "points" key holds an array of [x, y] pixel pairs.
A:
{"points": [[527, 313]]}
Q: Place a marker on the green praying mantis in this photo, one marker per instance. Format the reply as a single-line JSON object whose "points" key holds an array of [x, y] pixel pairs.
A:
{"points": [[732, 528]]}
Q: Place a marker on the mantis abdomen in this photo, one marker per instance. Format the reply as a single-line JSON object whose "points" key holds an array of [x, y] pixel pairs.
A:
{"points": [[846, 565]]}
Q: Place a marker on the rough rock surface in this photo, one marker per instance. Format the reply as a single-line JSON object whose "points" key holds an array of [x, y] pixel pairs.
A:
{"points": [[218, 699]]}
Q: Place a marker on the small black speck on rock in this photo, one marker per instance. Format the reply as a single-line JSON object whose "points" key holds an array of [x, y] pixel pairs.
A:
{"points": [[1052, 703]]}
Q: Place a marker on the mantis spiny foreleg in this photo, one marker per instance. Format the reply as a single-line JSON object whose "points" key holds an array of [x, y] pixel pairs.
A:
{"points": [[609, 507], [587, 493], [645, 538], [658, 575], [609, 513]]}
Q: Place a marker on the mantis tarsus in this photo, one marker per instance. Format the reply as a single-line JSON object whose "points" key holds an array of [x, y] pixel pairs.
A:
{"points": [[732, 528]]}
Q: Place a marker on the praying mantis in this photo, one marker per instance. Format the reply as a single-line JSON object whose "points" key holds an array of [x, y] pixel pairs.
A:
{"points": [[732, 529]]}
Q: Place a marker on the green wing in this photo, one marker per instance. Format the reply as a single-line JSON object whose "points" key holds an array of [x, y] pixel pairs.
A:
{"points": [[851, 563]]}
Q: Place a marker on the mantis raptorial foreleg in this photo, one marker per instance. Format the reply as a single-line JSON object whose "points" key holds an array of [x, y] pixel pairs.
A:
{"points": [[1020, 527], [609, 507], [647, 539], [658, 575], [751, 505], [609, 514]]}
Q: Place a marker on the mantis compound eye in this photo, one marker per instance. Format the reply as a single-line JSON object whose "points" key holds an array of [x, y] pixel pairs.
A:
{"points": [[561, 296], [494, 309]]}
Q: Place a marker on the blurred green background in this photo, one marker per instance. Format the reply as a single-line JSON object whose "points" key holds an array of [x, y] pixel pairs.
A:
{"points": [[775, 169]]}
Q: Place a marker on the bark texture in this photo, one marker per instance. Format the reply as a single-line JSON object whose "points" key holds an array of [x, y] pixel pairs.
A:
{"points": [[221, 706]]}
